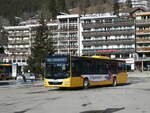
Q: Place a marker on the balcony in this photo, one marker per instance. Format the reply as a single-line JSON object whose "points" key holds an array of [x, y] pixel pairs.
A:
{"points": [[108, 33], [67, 30], [10, 57], [66, 39], [101, 25], [19, 35], [142, 40], [143, 22], [143, 59], [107, 42], [18, 42], [109, 51], [143, 49], [67, 46], [17, 50], [143, 32], [52, 31]]}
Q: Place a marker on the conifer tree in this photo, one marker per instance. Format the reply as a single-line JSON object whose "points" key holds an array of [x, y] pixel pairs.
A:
{"points": [[1, 50], [42, 47]]}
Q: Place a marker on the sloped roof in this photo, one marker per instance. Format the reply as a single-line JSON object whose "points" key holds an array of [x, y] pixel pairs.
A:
{"points": [[132, 10]]}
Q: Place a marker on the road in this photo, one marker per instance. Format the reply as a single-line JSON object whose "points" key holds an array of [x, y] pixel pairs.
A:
{"points": [[133, 97]]}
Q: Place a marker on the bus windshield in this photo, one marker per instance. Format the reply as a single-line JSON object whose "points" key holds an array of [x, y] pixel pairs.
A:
{"points": [[57, 68]]}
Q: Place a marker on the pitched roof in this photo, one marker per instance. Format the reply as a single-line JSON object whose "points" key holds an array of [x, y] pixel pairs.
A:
{"points": [[132, 10]]}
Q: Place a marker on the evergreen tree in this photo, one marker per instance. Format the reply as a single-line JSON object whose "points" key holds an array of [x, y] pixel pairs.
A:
{"points": [[42, 47], [3, 37], [1, 50], [116, 8]]}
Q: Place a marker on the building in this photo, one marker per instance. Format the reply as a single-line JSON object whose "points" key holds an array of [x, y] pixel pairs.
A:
{"points": [[108, 35], [140, 3], [20, 40], [143, 40], [67, 34], [88, 35], [3, 44], [19, 44], [91, 34]]}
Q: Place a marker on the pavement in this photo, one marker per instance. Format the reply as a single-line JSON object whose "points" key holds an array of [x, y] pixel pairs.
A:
{"points": [[128, 98], [14, 82], [139, 74], [40, 82]]}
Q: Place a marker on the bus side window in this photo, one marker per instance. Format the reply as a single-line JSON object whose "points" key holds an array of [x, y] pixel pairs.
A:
{"points": [[78, 67], [75, 68], [90, 67], [86, 67], [103, 67], [97, 70], [114, 68], [121, 67]]}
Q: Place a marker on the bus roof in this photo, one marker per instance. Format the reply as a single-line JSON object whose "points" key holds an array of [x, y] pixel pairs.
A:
{"points": [[95, 57], [5, 64], [102, 57]]}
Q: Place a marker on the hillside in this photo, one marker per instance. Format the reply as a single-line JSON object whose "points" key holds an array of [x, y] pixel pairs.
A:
{"points": [[12, 11]]}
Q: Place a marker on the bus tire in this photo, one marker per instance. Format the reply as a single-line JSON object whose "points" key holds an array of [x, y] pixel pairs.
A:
{"points": [[114, 82], [86, 83]]}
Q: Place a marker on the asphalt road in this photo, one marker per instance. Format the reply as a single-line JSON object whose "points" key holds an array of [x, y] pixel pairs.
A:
{"points": [[133, 97]]}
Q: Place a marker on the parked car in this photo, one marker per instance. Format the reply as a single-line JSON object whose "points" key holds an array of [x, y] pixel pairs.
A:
{"points": [[29, 76], [20, 79]]}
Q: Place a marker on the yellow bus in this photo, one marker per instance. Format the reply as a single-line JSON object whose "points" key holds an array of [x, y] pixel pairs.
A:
{"points": [[80, 71]]}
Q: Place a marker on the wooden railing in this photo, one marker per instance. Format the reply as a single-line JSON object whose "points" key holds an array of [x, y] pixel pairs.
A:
{"points": [[114, 24], [143, 49], [143, 31], [108, 33], [109, 42], [142, 21], [142, 40], [105, 51]]}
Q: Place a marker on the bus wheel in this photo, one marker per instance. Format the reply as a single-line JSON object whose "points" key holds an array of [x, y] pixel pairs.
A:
{"points": [[86, 83], [114, 82]]}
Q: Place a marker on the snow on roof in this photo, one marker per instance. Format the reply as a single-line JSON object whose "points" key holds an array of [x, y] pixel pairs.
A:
{"points": [[15, 27], [68, 16], [100, 15]]}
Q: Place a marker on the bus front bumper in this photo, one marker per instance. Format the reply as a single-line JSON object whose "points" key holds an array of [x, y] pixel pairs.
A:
{"points": [[63, 83]]}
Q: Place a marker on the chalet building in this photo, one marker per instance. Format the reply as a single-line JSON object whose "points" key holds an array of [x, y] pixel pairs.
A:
{"points": [[140, 3], [143, 40]]}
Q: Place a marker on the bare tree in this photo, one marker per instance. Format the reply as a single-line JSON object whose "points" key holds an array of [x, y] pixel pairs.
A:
{"points": [[116, 8], [83, 5]]}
